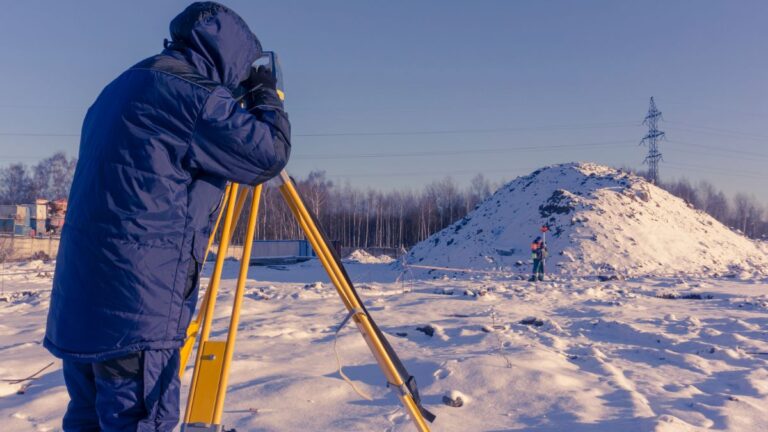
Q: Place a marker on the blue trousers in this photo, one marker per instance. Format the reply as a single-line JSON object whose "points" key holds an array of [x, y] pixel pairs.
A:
{"points": [[137, 393], [538, 270]]}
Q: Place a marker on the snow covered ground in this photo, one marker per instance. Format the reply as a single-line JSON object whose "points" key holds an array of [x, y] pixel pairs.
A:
{"points": [[359, 256], [565, 355]]}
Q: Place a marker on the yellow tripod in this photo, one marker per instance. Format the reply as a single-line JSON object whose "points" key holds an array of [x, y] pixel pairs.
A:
{"points": [[205, 403]]}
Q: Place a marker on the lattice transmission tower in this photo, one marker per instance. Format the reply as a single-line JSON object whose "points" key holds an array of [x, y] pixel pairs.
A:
{"points": [[652, 139]]}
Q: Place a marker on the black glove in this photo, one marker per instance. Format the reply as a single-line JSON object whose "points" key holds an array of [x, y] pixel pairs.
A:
{"points": [[260, 90], [260, 78]]}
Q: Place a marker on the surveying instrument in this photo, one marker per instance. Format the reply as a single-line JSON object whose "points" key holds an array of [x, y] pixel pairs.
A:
{"points": [[213, 358]]}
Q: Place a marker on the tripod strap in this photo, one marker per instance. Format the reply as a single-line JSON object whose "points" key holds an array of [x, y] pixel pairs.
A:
{"points": [[344, 376]]}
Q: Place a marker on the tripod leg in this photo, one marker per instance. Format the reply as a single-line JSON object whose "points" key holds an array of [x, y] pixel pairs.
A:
{"points": [[242, 277], [194, 325], [213, 289], [239, 204], [350, 300], [222, 207]]}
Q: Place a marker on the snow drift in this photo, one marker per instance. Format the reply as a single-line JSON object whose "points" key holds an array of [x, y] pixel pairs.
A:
{"points": [[360, 256], [602, 221]]}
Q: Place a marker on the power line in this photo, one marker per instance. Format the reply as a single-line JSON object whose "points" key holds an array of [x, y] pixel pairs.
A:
{"points": [[35, 134], [472, 131], [687, 126], [715, 129], [398, 133], [726, 173], [694, 129], [712, 150], [729, 151], [421, 173], [718, 131], [716, 109], [322, 156], [730, 154], [719, 156], [22, 157], [723, 172], [53, 107]]}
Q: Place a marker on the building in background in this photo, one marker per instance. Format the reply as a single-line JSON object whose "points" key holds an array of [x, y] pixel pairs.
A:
{"points": [[41, 218], [38, 217], [57, 209], [15, 220]]}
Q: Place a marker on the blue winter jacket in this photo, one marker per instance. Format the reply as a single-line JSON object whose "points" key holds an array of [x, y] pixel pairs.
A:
{"points": [[157, 147]]}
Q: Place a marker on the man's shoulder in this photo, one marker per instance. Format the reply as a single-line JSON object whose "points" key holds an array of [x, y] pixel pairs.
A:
{"points": [[176, 68]]}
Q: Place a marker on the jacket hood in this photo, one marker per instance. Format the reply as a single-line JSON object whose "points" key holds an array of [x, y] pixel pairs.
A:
{"points": [[217, 42]]}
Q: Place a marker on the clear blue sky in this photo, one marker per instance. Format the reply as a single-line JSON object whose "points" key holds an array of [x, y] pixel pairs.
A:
{"points": [[523, 83]]}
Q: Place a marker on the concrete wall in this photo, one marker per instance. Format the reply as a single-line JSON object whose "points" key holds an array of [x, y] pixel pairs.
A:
{"points": [[271, 248], [15, 248], [21, 247]]}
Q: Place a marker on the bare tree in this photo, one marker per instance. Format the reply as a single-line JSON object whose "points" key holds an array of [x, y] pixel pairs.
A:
{"points": [[747, 214], [479, 190], [744, 213], [683, 189], [16, 185], [713, 201], [53, 176], [315, 190]]}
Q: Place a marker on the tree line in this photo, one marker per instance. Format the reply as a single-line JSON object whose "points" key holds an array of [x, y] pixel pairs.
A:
{"points": [[742, 212], [364, 218], [351, 216], [369, 218], [49, 179]]}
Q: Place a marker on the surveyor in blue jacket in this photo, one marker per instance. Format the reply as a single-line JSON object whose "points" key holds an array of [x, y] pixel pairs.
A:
{"points": [[157, 147], [538, 255]]}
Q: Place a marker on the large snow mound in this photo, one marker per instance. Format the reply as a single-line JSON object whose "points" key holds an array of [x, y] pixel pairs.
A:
{"points": [[602, 221]]}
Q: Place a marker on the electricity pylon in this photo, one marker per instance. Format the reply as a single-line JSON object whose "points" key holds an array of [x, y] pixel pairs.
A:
{"points": [[652, 139]]}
